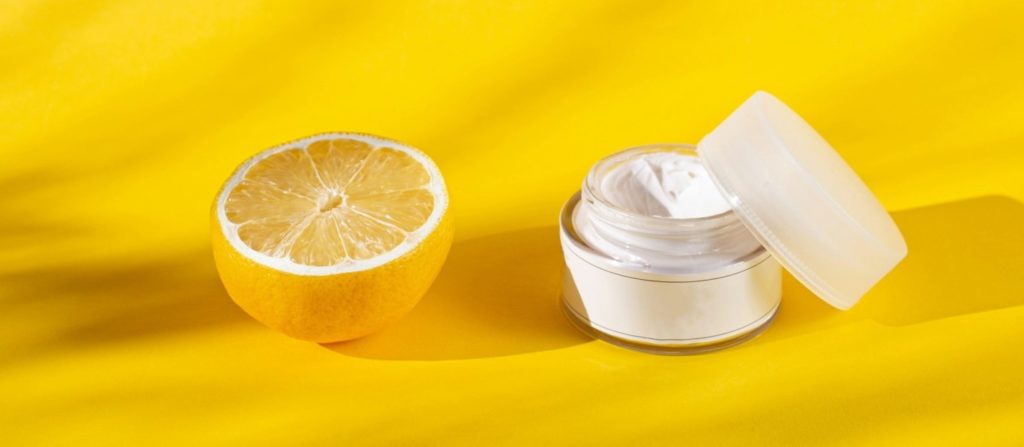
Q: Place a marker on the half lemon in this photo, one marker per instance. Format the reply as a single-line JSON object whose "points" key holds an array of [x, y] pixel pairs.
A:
{"points": [[333, 236]]}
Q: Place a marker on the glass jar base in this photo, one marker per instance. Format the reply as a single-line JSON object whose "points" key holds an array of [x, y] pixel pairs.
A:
{"points": [[666, 349]]}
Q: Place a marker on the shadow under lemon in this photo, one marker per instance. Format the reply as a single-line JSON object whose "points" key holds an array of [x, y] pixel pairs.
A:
{"points": [[963, 257], [496, 295]]}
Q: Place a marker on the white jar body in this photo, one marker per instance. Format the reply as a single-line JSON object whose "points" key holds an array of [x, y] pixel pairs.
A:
{"points": [[666, 311]]}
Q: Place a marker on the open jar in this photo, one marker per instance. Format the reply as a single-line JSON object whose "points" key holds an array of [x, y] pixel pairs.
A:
{"points": [[694, 262], [662, 283]]}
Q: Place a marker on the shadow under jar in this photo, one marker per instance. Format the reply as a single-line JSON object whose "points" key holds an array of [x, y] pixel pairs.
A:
{"points": [[670, 285]]}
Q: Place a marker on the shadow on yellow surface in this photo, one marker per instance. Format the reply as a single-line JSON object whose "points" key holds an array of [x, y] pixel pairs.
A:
{"points": [[963, 258], [497, 295], [93, 305]]}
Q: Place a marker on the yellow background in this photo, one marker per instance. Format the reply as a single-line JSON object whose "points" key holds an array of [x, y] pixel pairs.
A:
{"points": [[120, 119]]}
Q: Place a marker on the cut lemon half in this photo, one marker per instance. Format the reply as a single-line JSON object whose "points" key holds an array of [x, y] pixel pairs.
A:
{"points": [[333, 236]]}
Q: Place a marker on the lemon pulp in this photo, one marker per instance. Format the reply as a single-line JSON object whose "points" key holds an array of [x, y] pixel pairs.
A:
{"points": [[331, 201]]}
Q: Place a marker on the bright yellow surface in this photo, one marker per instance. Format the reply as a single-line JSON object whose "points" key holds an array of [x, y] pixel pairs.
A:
{"points": [[122, 118]]}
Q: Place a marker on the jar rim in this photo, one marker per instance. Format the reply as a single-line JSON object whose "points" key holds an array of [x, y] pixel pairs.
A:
{"points": [[571, 236]]}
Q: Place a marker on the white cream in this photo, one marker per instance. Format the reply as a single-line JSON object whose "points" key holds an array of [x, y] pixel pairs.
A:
{"points": [[664, 184]]}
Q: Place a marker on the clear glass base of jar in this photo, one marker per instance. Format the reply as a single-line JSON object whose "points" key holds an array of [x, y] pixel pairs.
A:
{"points": [[588, 328]]}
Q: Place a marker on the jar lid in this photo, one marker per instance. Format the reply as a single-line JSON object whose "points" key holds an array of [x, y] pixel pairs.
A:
{"points": [[801, 200]]}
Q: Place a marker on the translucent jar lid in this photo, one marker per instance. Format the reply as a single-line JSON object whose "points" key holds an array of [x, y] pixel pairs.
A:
{"points": [[801, 200]]}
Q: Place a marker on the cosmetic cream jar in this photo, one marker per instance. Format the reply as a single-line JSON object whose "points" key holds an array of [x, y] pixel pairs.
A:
{"points": [[696, 283], [634, 269]]}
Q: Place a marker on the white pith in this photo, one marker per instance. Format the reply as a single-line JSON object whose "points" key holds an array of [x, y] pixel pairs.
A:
{"points": [[435, 186]]}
